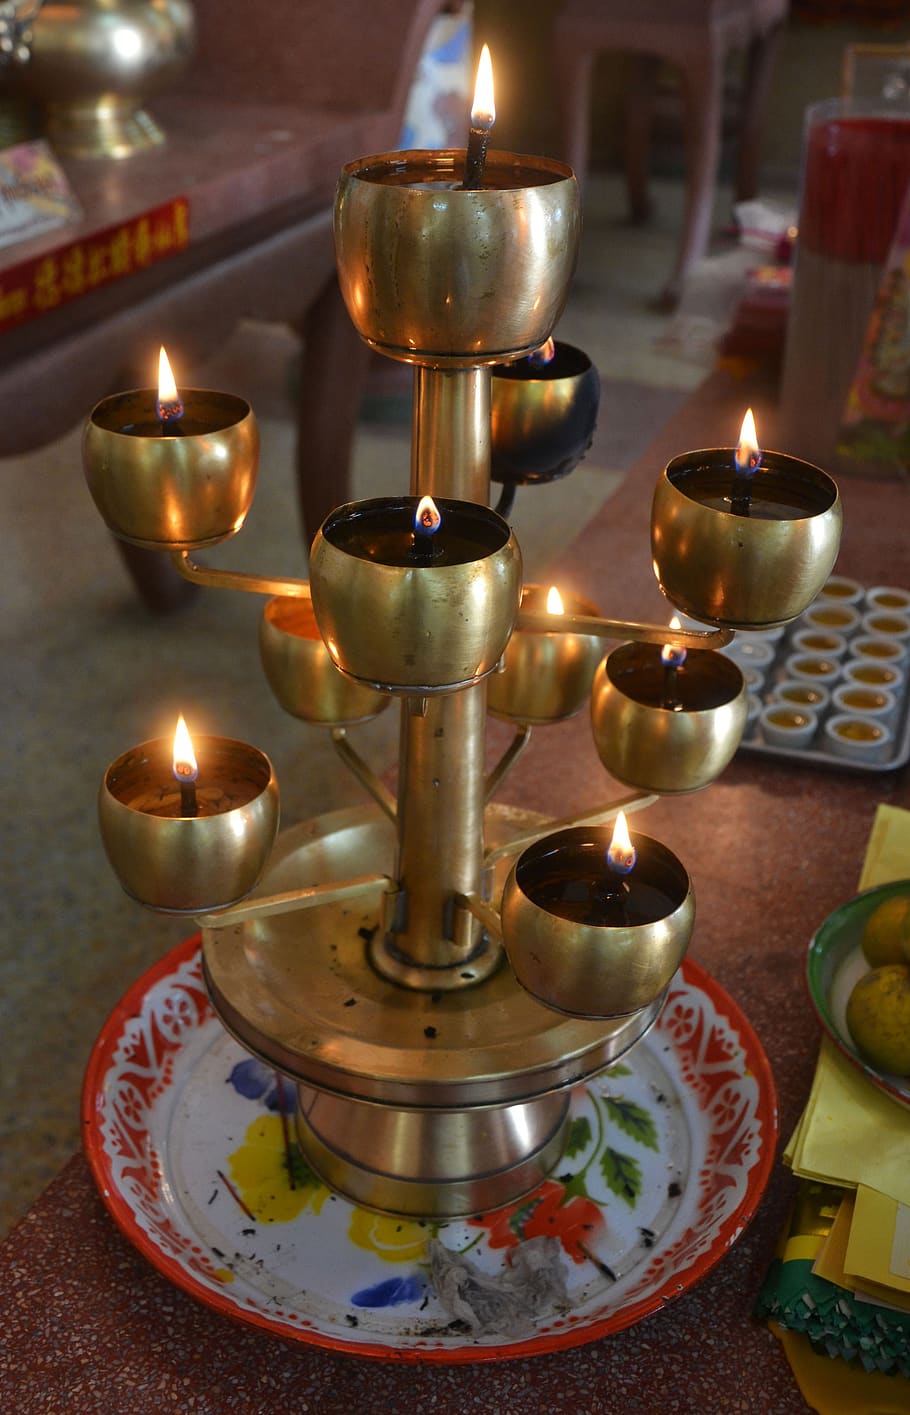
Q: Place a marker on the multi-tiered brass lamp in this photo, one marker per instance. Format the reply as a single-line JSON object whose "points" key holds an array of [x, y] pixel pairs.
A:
{"points": [[432, 971]]}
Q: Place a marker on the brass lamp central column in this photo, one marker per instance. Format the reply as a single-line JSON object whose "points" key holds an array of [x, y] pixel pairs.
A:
{"points": [[441, 775], [440, 848], [450, 443]]}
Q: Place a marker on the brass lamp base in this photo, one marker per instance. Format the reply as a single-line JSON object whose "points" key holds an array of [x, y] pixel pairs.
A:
{"points": [[427, 1104], [109, 126]]}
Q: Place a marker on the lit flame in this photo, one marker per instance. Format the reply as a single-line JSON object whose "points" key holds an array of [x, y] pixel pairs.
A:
{"points": [[544, 355], [621, 854], [170, 407], [670, 655], [748, 453], [427, 519], [185, 768], [483, 110], [554, 601]]}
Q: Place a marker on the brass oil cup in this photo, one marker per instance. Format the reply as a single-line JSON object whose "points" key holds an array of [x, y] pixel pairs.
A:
{"points": [[667, 735], [176, 490], [301, 673], [436, 275], [741, 571], [189, 864], [579, 949], [545, 677], [396, 624], [543, 416]]}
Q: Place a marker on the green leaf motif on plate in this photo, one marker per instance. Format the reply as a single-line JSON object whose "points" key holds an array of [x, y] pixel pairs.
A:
{"points": [[633, 1119], [619, 1068], [622, 1174], [579, 1136]]}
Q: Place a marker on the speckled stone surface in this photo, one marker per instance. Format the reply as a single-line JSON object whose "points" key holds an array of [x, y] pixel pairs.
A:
{"points": [[87, 1326]]}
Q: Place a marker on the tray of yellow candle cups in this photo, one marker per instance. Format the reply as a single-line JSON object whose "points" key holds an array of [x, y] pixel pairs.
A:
{"points": [[832, 688]]}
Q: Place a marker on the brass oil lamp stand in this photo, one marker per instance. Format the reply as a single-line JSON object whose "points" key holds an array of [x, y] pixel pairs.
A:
{"points": [[432, 1001]]}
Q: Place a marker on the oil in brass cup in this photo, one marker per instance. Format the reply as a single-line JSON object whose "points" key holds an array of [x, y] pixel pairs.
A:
{"points": [[543, 416], [189, 864], [444, 623], [301, 673], [580, 953], [437, 275], [667, 743], [741, 571], [545, 677], [175, 490]]}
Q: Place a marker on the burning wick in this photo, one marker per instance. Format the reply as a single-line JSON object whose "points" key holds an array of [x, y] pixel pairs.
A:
{"points": [[621, 852], [672, 659], [539, 358], [169, 406], [747, 459], [483, 116], [427, 521], [554, 601], [620, 862], [185, 769]]}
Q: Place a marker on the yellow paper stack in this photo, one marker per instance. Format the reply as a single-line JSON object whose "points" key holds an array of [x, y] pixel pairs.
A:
{"points": [[854, 1137]]}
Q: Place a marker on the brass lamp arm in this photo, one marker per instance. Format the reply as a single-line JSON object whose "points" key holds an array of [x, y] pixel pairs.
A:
{"points": [[487, 916], [237, 579], [292, 899], [507, 760], [364, 773], [599, 816], [623, 629]]}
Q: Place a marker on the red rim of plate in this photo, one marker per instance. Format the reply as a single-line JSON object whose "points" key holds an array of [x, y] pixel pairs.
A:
{"points": [[728, 1233]]}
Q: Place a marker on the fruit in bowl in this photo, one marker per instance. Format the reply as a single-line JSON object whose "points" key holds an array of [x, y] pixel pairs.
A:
{"points": [[878, 1018], [886, 935]]}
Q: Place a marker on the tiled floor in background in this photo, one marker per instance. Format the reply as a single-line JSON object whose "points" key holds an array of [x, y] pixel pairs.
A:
{"points": [[88, 671]]}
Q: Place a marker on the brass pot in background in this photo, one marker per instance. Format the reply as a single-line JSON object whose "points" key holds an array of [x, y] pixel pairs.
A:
{"points": [[95, 62]]}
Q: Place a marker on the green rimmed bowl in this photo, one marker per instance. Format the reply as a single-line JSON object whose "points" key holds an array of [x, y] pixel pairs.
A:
{"points": [[835, 964]]}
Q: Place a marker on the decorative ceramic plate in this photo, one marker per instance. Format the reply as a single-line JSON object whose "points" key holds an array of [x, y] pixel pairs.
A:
{"points": [[835, 964], [191, 1143]]}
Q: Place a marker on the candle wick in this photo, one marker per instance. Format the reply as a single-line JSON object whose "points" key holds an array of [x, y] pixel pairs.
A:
{"points": [[423, 548], [170, 413], [611, 894], [189, 803], [741, 496], [746, 462], [669, 699], [475, 157]]}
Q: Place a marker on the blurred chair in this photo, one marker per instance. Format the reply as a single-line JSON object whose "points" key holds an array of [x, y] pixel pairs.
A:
{"points": [[696, 37]]}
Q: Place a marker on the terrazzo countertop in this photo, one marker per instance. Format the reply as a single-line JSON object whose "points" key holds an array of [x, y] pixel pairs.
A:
{"points": [[87, 1325]]}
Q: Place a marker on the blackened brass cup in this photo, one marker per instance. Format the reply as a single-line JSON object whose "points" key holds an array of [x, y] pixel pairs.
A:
{"points": [[545, 677], [555, 937], [667, 736], [189, 864], [435, 275], [543, 416], [740, 571], [175, 490], [301, 673], [395, 623]]}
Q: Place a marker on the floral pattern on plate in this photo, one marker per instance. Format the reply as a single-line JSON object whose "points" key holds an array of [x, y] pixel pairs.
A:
{"points": [[193, 1147]]}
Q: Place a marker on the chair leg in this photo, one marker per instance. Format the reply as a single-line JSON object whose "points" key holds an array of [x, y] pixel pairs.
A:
{"points": [[641, 84], [573, 87], [757, 81], [703, 95], [332, 377], [158, 583]]}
